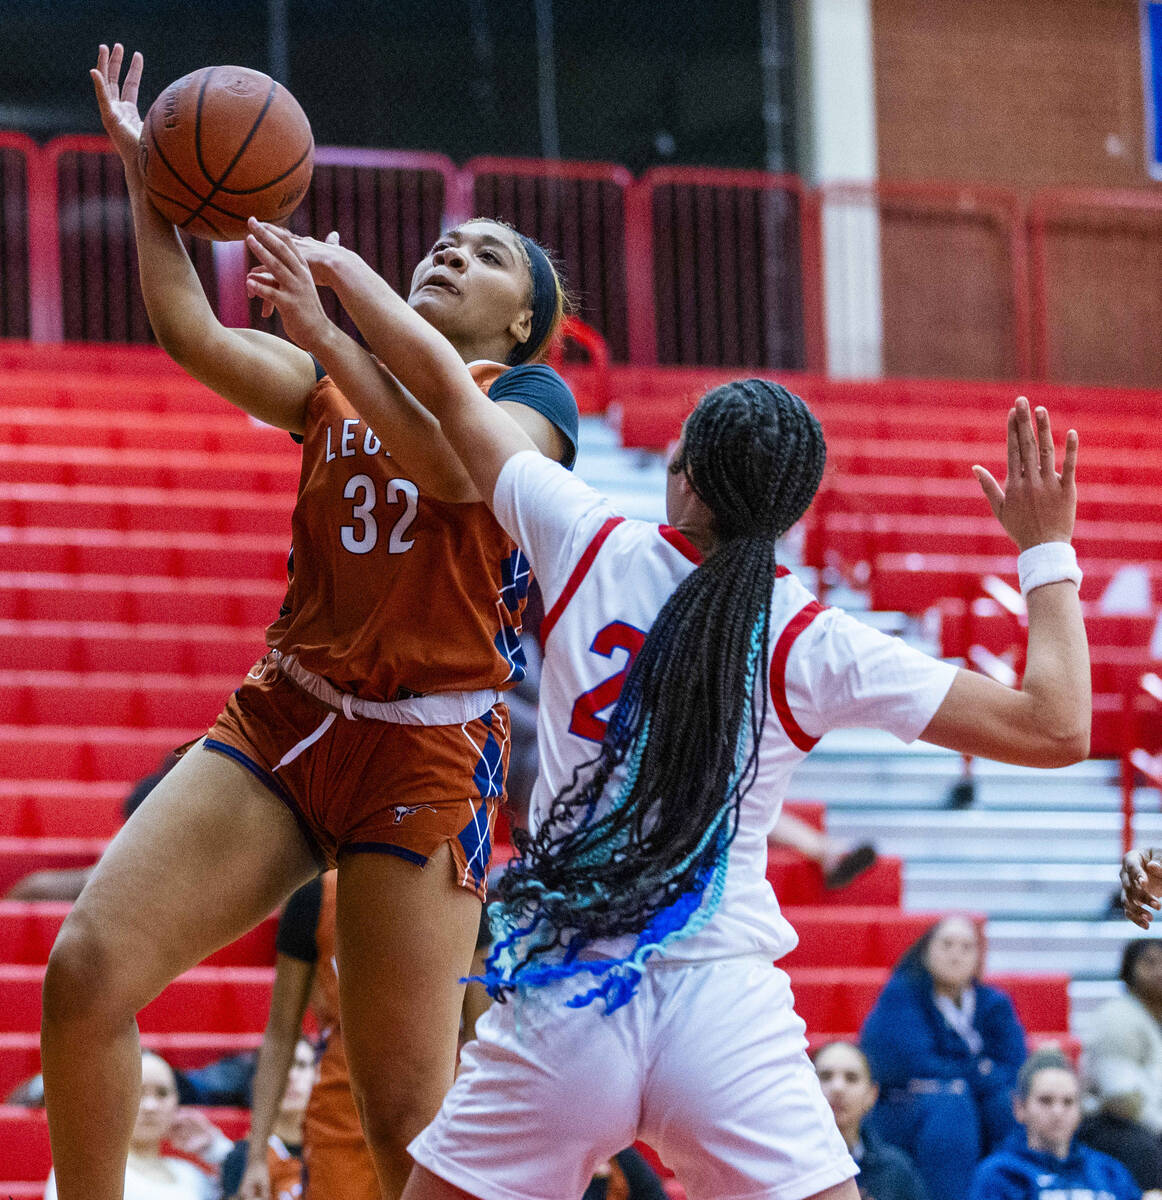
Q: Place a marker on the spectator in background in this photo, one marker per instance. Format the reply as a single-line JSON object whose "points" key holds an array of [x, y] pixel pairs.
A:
{"points": [[149, 1174], [1043, 1161], [284, 1146], [1122, 1058], [945, 1050], [885, 1172]]}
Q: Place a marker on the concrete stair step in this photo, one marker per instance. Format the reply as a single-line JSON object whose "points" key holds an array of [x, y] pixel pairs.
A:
{"points": [[1019, 890], [994, 835]]}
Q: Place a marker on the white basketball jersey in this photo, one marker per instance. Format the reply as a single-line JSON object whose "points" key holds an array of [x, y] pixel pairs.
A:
{"points": [[604, 579]]}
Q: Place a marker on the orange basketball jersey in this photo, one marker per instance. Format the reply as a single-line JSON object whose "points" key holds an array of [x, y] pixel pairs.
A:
{"points": [[393, 593]]}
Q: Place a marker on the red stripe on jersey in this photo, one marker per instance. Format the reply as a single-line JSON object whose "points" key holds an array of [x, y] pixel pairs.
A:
{"points": [[795, 626], [681, 543], [579, 573]]}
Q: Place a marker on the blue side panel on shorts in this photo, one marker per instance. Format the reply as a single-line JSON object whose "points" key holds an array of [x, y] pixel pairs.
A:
{"points": [[489, 772], [477, 844]]}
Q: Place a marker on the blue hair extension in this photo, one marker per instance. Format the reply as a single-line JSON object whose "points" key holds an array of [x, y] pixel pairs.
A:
{"points": [[508, 967]]}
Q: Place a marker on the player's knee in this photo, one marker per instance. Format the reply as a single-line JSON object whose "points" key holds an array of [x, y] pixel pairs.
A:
{"points": [[392, 1117], [80, 981]]}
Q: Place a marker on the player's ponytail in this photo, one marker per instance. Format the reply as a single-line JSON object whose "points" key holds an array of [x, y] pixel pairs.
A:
{"points": [[637, 844]]}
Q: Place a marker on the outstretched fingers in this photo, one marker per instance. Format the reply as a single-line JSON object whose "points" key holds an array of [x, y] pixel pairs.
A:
{"points": [[133, 78], [276, 252], [993, 491], [1026, 438], [1069, 465], [1045, 445]]}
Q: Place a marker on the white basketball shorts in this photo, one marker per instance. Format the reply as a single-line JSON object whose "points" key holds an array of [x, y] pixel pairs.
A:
{"points": [[707, 1063]]}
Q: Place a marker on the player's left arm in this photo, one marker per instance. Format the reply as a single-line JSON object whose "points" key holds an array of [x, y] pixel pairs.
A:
{"points": [[477, 435]]}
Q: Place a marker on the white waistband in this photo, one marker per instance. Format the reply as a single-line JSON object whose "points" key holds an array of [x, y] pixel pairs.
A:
{"points": [[438, 708]]}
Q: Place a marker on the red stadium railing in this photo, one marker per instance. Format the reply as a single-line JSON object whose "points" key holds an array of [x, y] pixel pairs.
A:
{"points": [[19, 159], [929, 233], [387, 205], [724, 269], [684, 266], [1096, 276], [84, 255], [576, 209]]}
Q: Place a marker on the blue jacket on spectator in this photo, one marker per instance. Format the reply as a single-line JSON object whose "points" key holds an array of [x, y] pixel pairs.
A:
{"points": [[943, 1104], [1018, 1173]]}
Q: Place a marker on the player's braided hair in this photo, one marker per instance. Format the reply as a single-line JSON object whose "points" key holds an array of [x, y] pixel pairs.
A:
{"points": [[684, 734]]}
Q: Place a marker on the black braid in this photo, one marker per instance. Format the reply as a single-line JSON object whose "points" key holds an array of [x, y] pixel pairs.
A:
{"points": [[754, 455]]}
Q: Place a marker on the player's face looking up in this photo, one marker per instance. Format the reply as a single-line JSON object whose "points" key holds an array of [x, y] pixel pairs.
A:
{"points": [[475, 287], [953, 955]]}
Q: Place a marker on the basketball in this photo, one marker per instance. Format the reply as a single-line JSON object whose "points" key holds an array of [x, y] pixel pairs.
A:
{"points": [[223, 144]]}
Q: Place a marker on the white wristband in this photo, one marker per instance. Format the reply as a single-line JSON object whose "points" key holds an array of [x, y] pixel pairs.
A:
{"points": [[1050, 562]]}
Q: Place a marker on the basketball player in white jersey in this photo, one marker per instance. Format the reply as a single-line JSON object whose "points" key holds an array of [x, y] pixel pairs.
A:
{"points": [[685, 676]]}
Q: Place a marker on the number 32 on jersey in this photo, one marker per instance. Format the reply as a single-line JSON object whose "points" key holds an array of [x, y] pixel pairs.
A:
{"points": [[362, 537], [616, 636]]}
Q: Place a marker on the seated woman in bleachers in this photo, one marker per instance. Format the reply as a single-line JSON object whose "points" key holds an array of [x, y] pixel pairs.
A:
{"points": [[149, 1174], [885, 1171], [1043, 1161], [945, 1050], [1122, 1056]]}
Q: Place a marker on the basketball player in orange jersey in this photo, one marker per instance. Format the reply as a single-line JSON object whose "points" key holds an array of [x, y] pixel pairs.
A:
{"points": [[371, 735]]}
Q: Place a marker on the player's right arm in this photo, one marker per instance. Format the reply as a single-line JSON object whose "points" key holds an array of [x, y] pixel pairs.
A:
{"points": [[266, 376]]}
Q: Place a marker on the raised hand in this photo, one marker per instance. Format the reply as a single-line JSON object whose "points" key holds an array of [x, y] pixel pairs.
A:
{"points": [[283, 281], [1037, 504], [117, 100]]}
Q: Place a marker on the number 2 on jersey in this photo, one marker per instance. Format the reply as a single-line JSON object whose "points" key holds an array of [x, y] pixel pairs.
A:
{"points": [[361, 539], [615, 636]]}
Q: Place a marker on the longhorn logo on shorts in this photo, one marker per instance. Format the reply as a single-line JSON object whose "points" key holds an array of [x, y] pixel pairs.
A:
{"points": [[405, 810]]}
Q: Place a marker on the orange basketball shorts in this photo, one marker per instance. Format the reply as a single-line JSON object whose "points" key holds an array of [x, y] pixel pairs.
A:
{"points": [[356, 784]]}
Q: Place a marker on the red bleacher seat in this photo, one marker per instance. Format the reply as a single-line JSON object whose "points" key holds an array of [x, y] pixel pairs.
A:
{"points": [[222, 999], [840, 997], [53, 505], [20, 856], [230, 433], [859, 935], [55, 808], [24, 1148], [111, 646], [27, 932], [140, 599], [100, 466], [851, 538], [86, 753], [112, 552], [798, 882], [125, 698]]}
